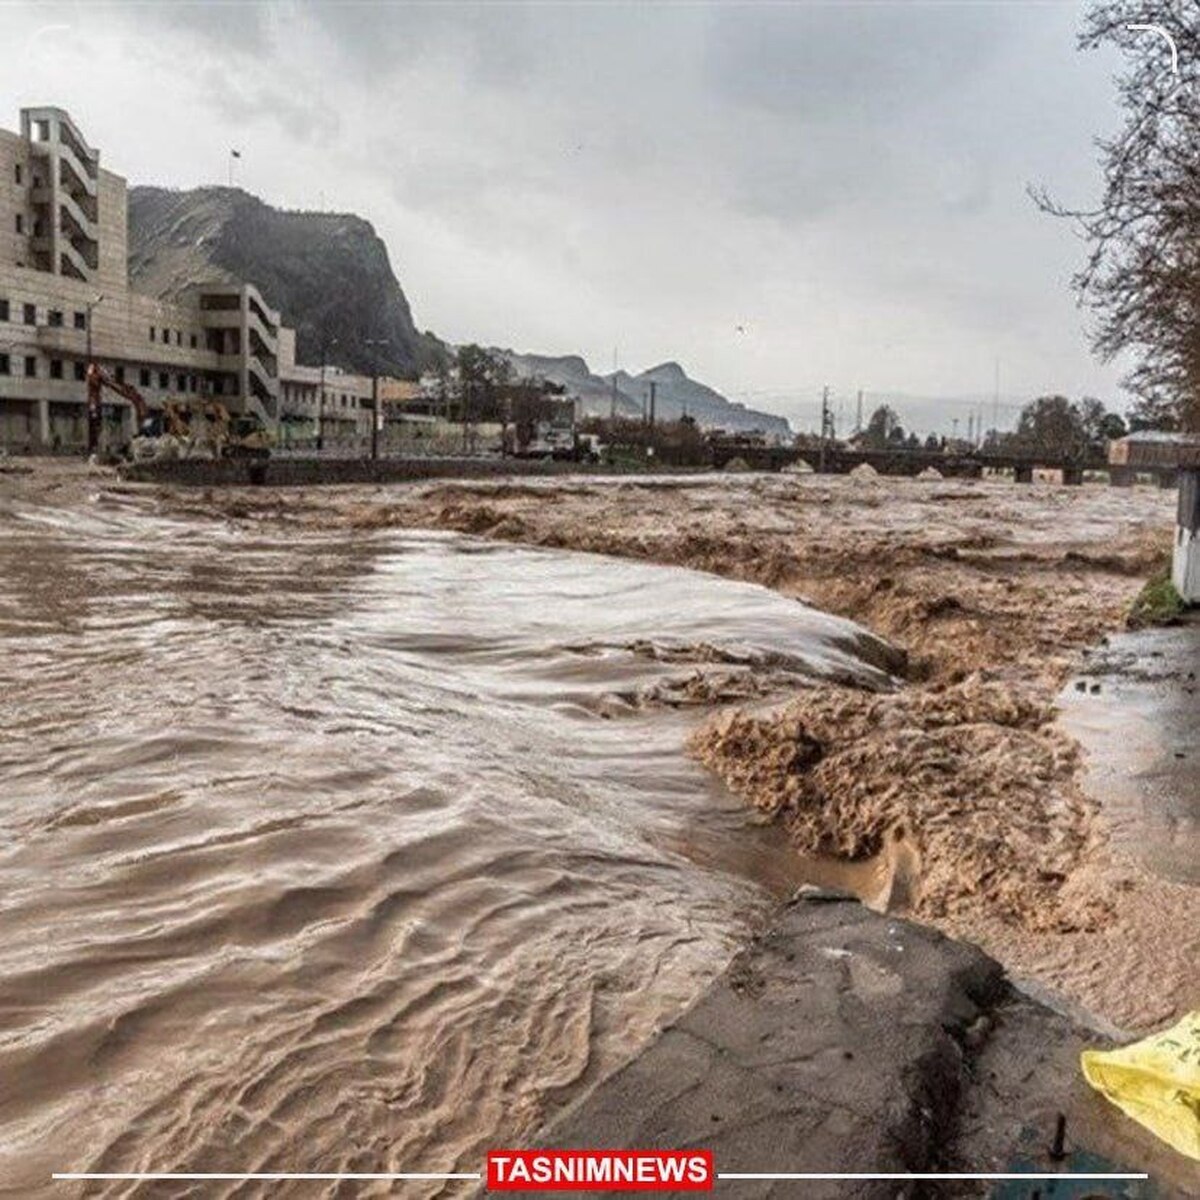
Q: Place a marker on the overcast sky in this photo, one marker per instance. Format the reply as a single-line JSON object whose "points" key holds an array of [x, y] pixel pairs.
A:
{"points": [[844, 181]]}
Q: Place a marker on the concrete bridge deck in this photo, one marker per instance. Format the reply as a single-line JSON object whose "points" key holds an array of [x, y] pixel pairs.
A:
{"points": [[841, 460]]}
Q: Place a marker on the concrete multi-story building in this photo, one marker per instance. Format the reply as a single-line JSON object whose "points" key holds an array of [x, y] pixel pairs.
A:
{"points": [[65, 298], [320, 400]]}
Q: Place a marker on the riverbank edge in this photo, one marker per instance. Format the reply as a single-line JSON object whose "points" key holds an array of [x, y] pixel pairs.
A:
{"points": [[310, 472]]}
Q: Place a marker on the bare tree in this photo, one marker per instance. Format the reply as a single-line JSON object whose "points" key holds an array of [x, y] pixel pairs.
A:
{"points": [[1142, 275]]}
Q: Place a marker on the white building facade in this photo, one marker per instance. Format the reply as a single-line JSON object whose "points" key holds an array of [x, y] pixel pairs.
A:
{"points": [[65, 296]]}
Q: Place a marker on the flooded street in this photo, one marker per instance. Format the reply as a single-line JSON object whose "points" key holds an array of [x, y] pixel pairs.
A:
{"points": [[1135, 712], [329, 850]]}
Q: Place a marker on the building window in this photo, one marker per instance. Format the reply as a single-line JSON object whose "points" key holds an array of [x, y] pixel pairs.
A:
{"points": [[166, 337], [120, 374], [80, 372], [152, 333], [30, 366], [20, 223], [56, 368], [17, 172], [192, 383], [144, 377], [179, 337], [80, 320], [54, 317], [3, 310], [5, 365], [164, 380], [193, 339], [30, 314], [181, 383]]}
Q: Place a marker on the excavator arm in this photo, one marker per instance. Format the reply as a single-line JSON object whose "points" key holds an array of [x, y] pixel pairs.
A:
{"points": [[97, 380]]}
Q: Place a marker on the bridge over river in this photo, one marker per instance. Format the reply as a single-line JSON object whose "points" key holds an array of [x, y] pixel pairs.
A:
{"points": [[833, 459]]}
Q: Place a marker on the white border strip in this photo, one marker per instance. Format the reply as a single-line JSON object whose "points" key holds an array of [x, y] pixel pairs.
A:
{"points": [[75, 1176], [924, 1175], [194, 1176]]}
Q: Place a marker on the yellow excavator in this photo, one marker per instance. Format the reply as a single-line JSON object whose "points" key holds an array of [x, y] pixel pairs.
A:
{"points": [[181, 428]]}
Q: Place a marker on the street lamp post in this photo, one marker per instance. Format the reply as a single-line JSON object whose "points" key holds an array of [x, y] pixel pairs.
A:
{"points": [[326, 342], [94, 419], [91, 304], [5, 348], [375, 413]]}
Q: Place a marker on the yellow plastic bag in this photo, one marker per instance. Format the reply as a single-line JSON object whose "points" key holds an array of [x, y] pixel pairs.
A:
{"points": [[1156, 1082]]}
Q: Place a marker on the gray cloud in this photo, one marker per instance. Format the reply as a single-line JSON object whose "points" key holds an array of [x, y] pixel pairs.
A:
{"points": [[848, 178]]}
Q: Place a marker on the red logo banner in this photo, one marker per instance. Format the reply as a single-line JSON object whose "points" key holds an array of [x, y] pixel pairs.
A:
{"points": [[600, 1170]]}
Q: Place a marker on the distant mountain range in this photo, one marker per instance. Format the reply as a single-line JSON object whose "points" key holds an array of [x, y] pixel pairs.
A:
{"points": [[675, 394], [330, 276]]}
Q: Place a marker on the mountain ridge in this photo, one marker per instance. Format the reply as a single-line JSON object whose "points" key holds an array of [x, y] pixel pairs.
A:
{"points": [[677, 394], [331, 278], [328, 273]]}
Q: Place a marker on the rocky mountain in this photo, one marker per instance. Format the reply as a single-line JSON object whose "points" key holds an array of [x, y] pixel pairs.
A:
{"points": [[328, 273], [574, 374], [675, 394], [330, 277]]}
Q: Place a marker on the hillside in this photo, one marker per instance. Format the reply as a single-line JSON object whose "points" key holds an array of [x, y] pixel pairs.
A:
{"points": [[330, 277], [676, 393], [328, 273]]}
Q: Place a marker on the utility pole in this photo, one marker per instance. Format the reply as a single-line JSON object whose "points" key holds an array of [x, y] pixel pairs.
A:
{"points": [[996, 397], [826, 418], [858, 423], [653, 391], [612, 416]]}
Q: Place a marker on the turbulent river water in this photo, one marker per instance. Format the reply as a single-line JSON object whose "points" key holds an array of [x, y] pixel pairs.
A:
{"points": [[347, 853]]}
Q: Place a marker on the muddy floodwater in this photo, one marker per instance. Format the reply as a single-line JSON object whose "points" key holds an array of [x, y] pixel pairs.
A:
{"points": [[350, 851]]}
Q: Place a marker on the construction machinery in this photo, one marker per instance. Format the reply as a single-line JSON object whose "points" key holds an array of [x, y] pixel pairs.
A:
{"points": [[97, 380], [203, 428]]}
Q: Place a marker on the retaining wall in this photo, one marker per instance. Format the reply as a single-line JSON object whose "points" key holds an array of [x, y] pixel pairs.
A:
{"points": [[298, 472]]}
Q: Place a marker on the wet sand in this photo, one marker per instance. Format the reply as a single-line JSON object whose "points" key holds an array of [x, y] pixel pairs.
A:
{"points": [[994, 591]]}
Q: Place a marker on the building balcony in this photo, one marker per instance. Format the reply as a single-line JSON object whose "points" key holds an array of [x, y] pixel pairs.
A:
{"points": [[74, 222], [69, 165], [72, 262], [79, 213]]}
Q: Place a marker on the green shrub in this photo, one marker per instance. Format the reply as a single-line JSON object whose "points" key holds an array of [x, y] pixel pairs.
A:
{"points": [[1158, 603]]}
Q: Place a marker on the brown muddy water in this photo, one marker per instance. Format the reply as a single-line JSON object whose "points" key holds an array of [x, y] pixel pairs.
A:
{"points": [[349, 853]]}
